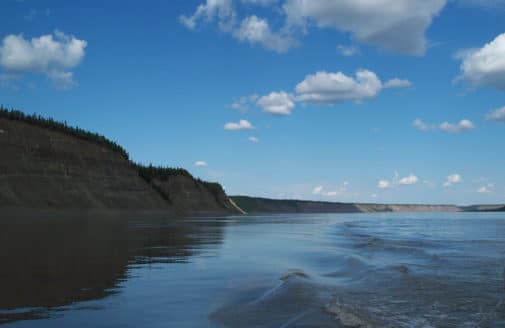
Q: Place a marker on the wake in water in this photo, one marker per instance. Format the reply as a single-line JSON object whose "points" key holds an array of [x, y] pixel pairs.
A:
{"points": [[383, 278]]}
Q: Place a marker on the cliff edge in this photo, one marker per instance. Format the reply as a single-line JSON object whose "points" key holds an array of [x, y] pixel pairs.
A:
{"points": [[45, 164]]}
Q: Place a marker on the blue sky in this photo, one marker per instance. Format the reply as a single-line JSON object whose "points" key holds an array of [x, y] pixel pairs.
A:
{"points": [[387, 101]]}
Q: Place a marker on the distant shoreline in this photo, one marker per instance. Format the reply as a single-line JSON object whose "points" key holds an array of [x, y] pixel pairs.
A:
{"points": [[260, 205]]}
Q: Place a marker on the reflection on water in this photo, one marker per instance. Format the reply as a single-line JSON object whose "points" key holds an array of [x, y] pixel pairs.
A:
{"points": [[56, 261], [332, 270]]}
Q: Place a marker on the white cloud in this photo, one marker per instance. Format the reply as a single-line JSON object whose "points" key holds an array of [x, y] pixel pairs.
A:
{"points": [[397, 83], [394, 25], [252, 29], [485, 66], [348, 51], [200, 163], [462, 126], [317, 190], [396, 181], [241, 125], [410, 180], [487, 189], [384, 184], [332, 88], [453, 179], [221, 9], [421, 126], [53, 55], [253, 139], [257, 30], [277, 103], [397, 26], [322, 88], [497, 115]]}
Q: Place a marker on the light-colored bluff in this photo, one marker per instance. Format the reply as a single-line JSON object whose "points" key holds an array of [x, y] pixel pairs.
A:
{"points": [[41, 168]]}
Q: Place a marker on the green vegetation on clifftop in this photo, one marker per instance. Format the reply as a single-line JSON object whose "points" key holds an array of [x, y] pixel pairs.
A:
{"points": [[150, 173], [49, 123]]}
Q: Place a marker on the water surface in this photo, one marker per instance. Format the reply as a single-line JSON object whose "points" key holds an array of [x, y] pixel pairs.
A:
{"points": [[331, 270]]}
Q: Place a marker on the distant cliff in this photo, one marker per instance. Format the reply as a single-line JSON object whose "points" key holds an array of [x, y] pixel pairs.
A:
{"points": [[47, 165], [255, 205]]}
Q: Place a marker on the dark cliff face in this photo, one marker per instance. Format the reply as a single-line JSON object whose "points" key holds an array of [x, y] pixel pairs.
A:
{"points": [[42, 168], [194, 197]]}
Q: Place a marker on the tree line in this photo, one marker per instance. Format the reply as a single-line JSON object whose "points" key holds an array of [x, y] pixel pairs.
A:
{"points": [[148, 173], [62, 127]]}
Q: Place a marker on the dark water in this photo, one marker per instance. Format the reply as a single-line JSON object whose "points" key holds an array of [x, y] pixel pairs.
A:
{"points": [[345, 270]]}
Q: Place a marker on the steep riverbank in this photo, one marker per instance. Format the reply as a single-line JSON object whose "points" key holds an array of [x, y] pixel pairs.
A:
{"points": [[48, 165]]}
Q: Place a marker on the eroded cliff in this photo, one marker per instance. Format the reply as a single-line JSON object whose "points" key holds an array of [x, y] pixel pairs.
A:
{"points": [[51, 167]]}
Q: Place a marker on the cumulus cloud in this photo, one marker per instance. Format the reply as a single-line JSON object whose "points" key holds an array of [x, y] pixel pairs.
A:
{"points": [[200, 163], [396, 181], [348, 51], [253, 139], [452, 180], [257, 30], [322, 88], [241, 125], [487, 189], [277, 103], [384, 184], [332, 88], [252, 29], [497, 115], [392, 25], [462, 126], [53, 55], [397, 83], [222, 10], [397, 26], [410, 180], [485, 66]]}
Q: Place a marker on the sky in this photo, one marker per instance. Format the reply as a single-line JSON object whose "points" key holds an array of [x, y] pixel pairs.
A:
{"points": [[387, 101]]}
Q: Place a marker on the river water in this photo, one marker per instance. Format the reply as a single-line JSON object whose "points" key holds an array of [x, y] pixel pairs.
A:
{"points": [[331, 270]]}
